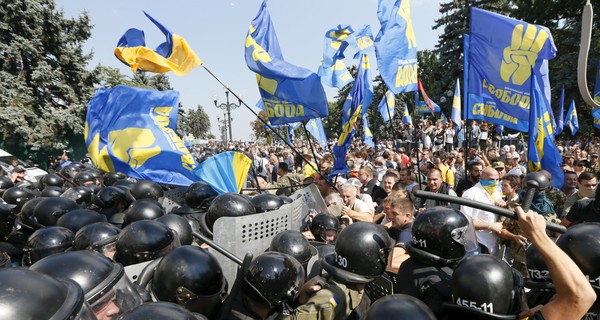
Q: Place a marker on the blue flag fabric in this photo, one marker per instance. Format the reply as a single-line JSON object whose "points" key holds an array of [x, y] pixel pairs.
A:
{"points": [[466, 67], [368, 139], [542, 153], [387, 106], [363, 41], [315, 128], [561, 114], [333, 70], [499, 128], [443, 118], [501, 60], [396, 46], [571, 120], [354, 107], [597, 98], [455, 115], [186, 142], [289, 93], [421, 107], [406, 118], [224, 172], [132, 131]]}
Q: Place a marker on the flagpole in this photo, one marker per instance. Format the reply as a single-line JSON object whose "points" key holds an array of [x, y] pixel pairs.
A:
{"points": [[267, 124], [311, 146]]}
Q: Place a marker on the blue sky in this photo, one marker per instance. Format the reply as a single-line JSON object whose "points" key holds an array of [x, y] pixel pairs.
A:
{"points": [[216, 31]]}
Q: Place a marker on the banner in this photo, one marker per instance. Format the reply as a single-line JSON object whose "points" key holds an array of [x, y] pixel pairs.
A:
{"points": [[132, 131], [172, 55], [315, 128], [289, 93], [542, 152], [224, 172], [421, 107], [502, 60], [387, 106], [333, 70], [455, 115], [571, 120], [396, 46]]}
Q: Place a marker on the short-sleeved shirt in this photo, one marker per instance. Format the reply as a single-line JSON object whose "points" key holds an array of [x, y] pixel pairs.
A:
{"points": [[584, 211]]}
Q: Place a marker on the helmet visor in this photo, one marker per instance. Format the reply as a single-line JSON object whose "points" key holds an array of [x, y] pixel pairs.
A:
{"points": [[85, 313], [121, 298]]}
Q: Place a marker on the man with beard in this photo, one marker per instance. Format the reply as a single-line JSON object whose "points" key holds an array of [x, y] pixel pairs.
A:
{"points": [[437, 185], [473, 174]]}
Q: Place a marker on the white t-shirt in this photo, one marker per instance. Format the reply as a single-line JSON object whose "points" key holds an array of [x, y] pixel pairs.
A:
{"points": [[486, 237], [360, 206]]}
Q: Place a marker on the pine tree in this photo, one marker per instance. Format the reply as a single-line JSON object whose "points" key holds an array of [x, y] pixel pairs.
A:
{"points": [[44, 83]]}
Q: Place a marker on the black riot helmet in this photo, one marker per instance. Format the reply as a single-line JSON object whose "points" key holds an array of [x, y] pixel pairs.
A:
{"points": [[361, 253], [191, 277], [5, 183], [199, 195], [292, 242], [70, 170], [17, 196], [162, 311], [439, 236], [485, 287], [581, 242], [51, 191], [79, 194], [399, 306], [110, 178], [79, 218], [51, 180], [266, 202], [48, 210], [144, 240], [143, 209], [7, 220], [321, 224], [45, 242], [144, 189], [180, 225], [26, 217], [84, 178], [110, 197], [273, 278], [539, 275], [285, 199], [99, 236], [228, 205], [104, 282], [40, 297]]}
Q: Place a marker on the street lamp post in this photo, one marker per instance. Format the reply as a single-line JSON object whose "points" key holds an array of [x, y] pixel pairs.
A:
{"points": [[223, 129], [227, 107]]}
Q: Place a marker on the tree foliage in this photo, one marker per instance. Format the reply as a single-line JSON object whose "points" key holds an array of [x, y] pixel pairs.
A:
{"points": [[196, 122], [44, 83]]}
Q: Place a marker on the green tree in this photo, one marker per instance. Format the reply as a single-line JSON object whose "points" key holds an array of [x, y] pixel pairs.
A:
{"points": [[196, 122], [44, 83]]}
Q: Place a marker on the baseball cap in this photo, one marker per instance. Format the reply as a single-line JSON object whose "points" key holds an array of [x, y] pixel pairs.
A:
{"points": [[497, 164], [355, 182], [516, 155]]}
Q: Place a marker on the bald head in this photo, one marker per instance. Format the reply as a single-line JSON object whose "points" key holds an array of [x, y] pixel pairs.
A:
{"points": [[489, 174]]}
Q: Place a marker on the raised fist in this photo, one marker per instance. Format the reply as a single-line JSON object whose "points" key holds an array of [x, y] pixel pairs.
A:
{"points": [[520, 56]]}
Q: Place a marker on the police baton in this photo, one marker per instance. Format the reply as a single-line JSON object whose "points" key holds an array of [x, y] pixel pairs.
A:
{"points": [[235, 289], [482, 206]]}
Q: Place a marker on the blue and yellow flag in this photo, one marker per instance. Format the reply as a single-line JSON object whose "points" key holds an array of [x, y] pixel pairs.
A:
{"points": [[368, 139], [333, 70], [289, 93], [172, 55], [132, 131], [542, 153], [421, 107], [597, 97], [387, 106], [355, 106], [224, 172], [186, 142], [571, 119], [455, 115], [396, 46], [502, 61], [443, 118], [363, 41], [561, 114], [315, 128], [406, 118]]}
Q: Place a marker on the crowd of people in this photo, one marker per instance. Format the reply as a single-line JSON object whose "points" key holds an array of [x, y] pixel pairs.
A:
{"points": [[442, 260]]}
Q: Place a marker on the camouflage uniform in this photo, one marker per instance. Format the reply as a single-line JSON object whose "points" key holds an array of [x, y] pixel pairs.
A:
{"points": [[517, 250], [286, 183], [328, 303], [558, 199]]}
